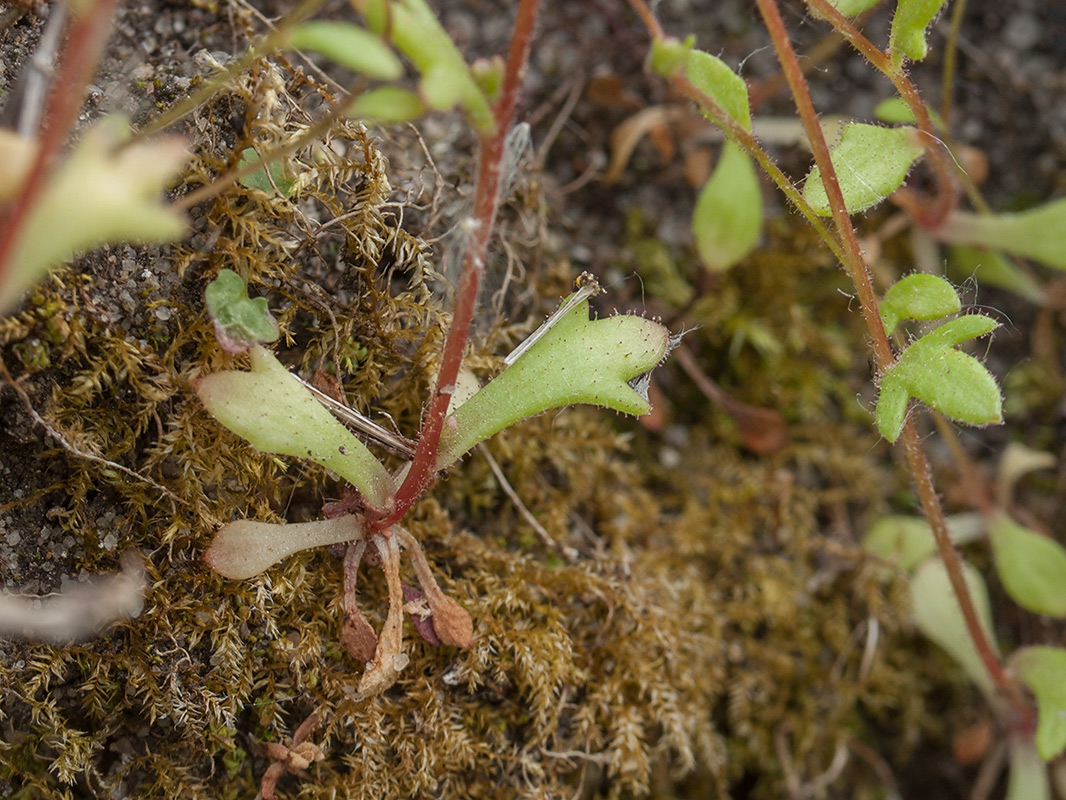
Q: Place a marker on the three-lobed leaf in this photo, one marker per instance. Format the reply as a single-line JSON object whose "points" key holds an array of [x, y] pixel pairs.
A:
{"points": [[240, 321], [870, 163], [933, 371], [103, 193], [577, 361]]}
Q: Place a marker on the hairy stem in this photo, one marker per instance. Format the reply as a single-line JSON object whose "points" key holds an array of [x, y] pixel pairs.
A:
{"points": [[486, 200], [857, 270]]}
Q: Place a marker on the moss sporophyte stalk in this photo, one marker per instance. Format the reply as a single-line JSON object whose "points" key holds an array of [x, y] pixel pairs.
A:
{"points": [[571, 359]]}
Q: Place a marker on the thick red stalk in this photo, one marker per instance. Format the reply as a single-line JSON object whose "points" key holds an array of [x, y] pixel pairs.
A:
{"points": [[486, 199], [857, 270], [86, 36]]}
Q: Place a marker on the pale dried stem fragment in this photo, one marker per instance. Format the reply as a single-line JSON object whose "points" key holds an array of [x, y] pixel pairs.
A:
{"points": [[450, 620], [81, 611], [389, 658]]}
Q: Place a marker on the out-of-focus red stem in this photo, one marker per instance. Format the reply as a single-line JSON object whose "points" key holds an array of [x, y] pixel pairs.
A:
{"points": [[423, 468], [87, 33]]}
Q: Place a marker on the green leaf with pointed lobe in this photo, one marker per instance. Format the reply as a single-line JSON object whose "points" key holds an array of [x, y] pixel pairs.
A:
{"points": [[579, 360], [870, 162], [952, 382]]}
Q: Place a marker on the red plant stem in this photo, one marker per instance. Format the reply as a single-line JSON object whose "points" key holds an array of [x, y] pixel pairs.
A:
{"points": [[486, 199], [85, 43], [855, 265], [936, 211]]}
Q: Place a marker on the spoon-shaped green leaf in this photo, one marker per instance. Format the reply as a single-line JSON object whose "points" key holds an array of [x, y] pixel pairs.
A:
{"points": [[577, 361], [277, 414]]}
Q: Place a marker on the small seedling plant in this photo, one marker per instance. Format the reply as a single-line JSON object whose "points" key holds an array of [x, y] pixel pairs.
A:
{"points": [[570, 359]]}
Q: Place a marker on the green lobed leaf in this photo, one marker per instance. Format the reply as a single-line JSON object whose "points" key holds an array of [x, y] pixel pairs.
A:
{"points": [[936, 612], [240, 322], [727, 219], [387, 104], [277, 414], [101, 194], [1032, 567], [348, 45], [1036, 233], [907, 39], [577, 361], [716, 80], [1044, 670], [870, 162], [947, 380], [919, 296]]}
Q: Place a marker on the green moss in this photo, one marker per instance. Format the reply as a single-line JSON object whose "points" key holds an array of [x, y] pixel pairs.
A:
{"points": [[712, 615]]}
